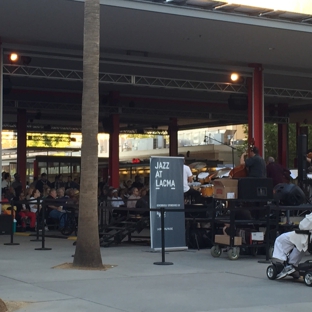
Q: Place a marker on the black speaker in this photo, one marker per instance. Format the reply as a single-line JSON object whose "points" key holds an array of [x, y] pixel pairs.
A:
{"points": [[288, 195], [238, 102], [255, 188], [302, 154]]}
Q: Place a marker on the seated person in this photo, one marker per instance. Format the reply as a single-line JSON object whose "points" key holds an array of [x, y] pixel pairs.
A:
{"points": [[131, 202], [55, 211], [61, 198], [143, 202], [33, 205], [123, 194], [23, 210], [116, 200], [290, 247]]}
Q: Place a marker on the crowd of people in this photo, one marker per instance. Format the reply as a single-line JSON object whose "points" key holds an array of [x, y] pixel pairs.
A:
{"points": [[28, 202], [128, 195]]}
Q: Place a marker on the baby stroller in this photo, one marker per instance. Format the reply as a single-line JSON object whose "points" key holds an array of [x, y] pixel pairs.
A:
{"points": [[304, 269]]}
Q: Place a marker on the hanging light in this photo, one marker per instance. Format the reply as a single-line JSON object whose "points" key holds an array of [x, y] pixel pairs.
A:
{"points": [[13, 57], [235, 77]]}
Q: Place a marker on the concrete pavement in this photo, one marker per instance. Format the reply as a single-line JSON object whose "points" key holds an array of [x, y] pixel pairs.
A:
{"points": [[196, 282]]}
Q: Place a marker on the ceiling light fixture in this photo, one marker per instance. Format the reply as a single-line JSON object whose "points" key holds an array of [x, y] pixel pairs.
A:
{"points": [[235, 77], [13, 57]]}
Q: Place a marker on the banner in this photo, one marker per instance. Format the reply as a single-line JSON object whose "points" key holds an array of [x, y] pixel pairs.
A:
{"points": [[166, 191]]}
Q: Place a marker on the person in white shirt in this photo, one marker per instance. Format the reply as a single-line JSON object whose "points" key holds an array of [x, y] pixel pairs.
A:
{"points": [[133, 198], [34, 202], [116, 200], [188, 178], [290, 247], [6, 180]]}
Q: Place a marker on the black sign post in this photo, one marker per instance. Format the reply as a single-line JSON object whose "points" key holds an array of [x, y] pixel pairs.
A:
{"points": [[166, 193]]}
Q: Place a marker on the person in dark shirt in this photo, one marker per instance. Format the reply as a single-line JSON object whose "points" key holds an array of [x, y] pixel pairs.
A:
{"points": [[255, 164], [17, 185], [137, 183], [277, 172], [54, 208], [43, 181], [71, 184]]}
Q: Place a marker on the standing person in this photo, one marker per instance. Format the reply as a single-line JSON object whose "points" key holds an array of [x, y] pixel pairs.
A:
{"points": [[71, 184], [76, 185], [43, 181], [17, 185], [128, 184], [255, 164], [58, 182], [277, 172], [188, 178], [6, 180], [137, 182]]}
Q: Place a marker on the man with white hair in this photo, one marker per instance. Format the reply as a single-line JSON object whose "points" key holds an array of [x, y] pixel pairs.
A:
{"points": [[277, 172]]}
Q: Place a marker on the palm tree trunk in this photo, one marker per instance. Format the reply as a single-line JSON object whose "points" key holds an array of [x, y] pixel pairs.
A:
{"points": [[88, 247]]}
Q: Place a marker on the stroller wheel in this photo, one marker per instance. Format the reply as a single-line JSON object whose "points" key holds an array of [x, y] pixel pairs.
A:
{"points": [[308, 278], [271, 272]]}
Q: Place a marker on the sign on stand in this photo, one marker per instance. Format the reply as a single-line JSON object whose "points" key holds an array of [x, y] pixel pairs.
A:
{"points": [[166, 191]]}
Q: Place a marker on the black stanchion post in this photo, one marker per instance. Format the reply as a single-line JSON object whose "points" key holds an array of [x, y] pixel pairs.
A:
{"points": [[37, 225], [12, 227], [43, 227], [267, 239], [162, 220]]}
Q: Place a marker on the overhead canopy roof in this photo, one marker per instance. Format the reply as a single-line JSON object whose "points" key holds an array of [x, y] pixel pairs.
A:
{"points": [[158, 60]]}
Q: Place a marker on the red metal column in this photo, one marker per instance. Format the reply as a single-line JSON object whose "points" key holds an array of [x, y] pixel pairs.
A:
{"points": [[114, 151], [282, 137], [258, 108], [21, 144], [173, 137]]}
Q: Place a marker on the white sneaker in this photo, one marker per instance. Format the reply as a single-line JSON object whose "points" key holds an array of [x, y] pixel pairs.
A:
{"points": [[288, 269]]}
